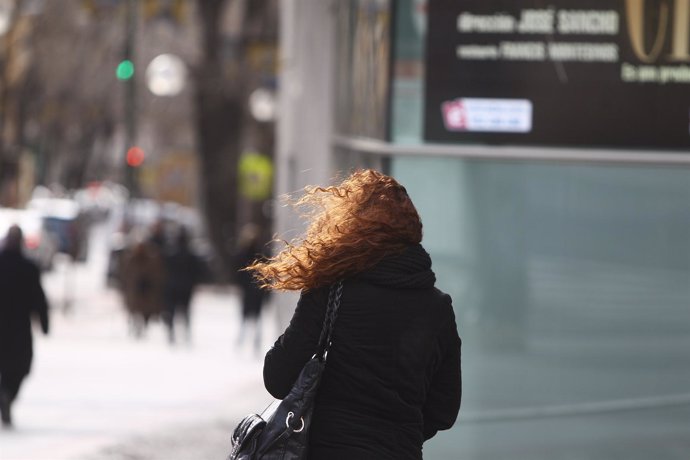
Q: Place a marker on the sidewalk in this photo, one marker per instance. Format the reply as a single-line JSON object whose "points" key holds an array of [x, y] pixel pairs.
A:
{"points": [[97, 393], [206, 441]]}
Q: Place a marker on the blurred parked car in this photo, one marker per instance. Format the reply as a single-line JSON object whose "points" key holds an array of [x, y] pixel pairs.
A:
{"points": [[63, 218], [39, 244], [98, 199]]}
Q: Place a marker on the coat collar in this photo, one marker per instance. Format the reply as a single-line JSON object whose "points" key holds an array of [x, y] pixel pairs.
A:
{"points": [[410, 269]]}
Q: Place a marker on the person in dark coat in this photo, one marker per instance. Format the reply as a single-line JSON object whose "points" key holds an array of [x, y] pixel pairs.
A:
{"points": [[142, 275], [253, 296], [183, 271], [22, 298], [393, 377]]}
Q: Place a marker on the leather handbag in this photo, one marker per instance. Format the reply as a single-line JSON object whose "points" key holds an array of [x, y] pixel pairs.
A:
{"points": [[283, 434]]}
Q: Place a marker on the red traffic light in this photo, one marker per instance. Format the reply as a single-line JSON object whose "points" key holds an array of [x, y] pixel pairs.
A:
{"points": [[135, 156]]}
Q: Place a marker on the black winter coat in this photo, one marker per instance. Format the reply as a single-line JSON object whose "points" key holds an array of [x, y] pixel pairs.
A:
{"points": [[183, 272], [393, 374], [21, 297]]}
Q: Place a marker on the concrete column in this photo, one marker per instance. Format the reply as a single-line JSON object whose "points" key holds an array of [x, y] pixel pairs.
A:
{"points": [[305, 113]]}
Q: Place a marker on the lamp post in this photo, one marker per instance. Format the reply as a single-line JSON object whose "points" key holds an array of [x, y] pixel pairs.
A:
{"points": [[8, 162], [126, 72]]}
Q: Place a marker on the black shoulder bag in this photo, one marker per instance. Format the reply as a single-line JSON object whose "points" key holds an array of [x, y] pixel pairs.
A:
{"points": [[284, 435]]}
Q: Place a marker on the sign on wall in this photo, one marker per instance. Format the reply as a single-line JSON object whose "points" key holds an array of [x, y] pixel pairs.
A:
{"points": [[599, 73]]}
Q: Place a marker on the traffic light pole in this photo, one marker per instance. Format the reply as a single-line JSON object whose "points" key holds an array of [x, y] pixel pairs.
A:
{"points": [[131, 179]]}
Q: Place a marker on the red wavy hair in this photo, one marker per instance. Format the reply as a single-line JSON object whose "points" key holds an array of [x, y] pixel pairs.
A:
{"points": [[353, 225]]}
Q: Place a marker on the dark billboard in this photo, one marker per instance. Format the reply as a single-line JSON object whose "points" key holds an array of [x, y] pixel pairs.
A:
{"points": [[579, 73]]}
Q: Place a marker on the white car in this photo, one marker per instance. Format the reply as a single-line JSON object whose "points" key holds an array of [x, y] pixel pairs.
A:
{"points": [[39, 244]]}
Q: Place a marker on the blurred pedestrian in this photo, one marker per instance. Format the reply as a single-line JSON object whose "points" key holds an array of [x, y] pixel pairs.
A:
{"points": [[142, 275], [22, 298], [250, 248], [157, 237], [393, 374], [183, 272]]}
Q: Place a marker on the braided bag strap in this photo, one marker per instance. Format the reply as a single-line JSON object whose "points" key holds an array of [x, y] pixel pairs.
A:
{"points": [[335, 294]]}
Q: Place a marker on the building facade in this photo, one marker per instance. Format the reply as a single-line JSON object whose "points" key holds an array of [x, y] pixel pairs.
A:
{"points": [[566, 250]]}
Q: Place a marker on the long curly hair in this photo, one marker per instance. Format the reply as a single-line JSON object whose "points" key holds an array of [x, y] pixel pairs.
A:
{"points": [[352, 226]]}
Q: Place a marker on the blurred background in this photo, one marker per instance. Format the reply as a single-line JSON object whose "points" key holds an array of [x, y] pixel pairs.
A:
{"points": [[544, 142]]}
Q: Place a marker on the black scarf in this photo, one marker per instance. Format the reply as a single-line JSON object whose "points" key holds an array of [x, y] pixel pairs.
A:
{"points": [[410, 269]]}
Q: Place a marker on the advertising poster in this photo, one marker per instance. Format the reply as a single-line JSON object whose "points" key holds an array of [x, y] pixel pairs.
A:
{"points": [[573, 73]]}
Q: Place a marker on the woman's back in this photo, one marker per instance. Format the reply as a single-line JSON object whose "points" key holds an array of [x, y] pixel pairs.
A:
{"points": [[392, 377]]}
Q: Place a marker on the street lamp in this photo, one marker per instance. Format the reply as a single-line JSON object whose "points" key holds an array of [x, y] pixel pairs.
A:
{"points": [[262, 104], [166, 75], [6, 10]]}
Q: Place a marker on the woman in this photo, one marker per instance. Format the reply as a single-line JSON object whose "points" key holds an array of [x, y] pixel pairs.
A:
{"points": [[393, 373]]}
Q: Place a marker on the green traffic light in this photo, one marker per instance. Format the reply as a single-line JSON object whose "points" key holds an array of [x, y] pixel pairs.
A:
{"points": [[125, 70]]}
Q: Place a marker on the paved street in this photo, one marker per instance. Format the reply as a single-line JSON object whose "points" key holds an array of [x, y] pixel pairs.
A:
{"points": [[96, 393]]}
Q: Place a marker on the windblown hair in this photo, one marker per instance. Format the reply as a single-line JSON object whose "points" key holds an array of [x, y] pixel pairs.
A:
{"points": [[352, 226]]}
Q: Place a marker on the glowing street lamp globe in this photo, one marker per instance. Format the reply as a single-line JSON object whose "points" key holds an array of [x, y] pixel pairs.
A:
{"points": [[166, 75], [6, 9]]}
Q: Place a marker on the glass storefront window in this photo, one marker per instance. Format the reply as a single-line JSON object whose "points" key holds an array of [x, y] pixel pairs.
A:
{"points": [[571, 286], [362, 68], [407, 85]]}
